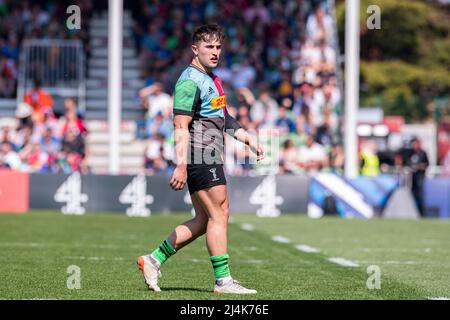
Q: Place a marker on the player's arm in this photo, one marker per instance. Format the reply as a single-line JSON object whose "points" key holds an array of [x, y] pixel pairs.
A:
{"points": [[185, 98], [233, 128], [181, 138]]}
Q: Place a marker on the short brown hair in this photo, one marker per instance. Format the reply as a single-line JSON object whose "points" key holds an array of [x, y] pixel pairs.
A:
{"points": [[207, 32]]}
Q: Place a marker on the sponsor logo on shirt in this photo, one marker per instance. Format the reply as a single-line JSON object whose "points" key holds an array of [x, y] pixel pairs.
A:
{"points": [[218, 102]]}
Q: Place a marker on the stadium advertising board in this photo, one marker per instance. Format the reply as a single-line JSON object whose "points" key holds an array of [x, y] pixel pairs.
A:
{"points": [[140, 195]]}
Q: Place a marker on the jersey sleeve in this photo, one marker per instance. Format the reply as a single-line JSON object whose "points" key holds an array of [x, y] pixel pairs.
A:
{"points": [[231, 124], [186, 97]]}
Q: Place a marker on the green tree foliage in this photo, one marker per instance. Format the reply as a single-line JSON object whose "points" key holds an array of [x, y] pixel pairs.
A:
{"points": [[406, 63]]}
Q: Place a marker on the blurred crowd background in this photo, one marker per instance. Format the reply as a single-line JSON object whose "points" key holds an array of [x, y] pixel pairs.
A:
{"points": [[280, 68]]}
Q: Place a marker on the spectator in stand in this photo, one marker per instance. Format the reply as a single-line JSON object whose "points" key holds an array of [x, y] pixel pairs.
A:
{"points": [[5, 137], [312, 157], [244, 74], [305, 120], [70, 105], [245, 99], [10, 157], [74, 151], [49, 121], [3, 164], [289, 158], [153, 157], [320, 25], [71, 122], [157, 108], [337, 158], [324, 134], [257, 11], [369, 161], [284, 122], [10, 47], [23, 137], [8, 76], [418, 162], [50, 143], [155, 100], [24, 116], [73, 142], [39, 100], [264, 111], [446, 165]]}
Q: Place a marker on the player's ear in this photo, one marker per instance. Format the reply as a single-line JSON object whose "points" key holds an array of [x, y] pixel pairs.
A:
{"points": [[194, 49]]}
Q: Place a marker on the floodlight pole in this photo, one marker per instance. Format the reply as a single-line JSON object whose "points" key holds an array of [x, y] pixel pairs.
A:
{"points": [[351, 86], [115, 14]]}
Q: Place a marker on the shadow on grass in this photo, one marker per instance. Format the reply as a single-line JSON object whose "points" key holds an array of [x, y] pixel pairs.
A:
{"points": [[170, 289], [184, 289]]}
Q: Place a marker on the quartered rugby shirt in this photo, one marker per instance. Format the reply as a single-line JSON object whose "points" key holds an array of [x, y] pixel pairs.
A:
{"points": [[200, 95]]}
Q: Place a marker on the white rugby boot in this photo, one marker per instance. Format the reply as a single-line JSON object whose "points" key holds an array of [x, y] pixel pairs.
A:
{"points": [[231, 286], [150, 270]]}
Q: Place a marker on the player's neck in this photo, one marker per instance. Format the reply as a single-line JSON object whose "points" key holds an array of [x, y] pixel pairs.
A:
{"points": [[196, 62]]}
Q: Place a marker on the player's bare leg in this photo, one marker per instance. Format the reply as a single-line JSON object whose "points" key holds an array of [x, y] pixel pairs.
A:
{"points": [[182, 235], [192, 229], [215, 201]]}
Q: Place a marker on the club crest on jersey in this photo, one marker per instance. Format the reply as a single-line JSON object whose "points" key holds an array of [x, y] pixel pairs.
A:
{"points": [[218, 102], [213, 171]]}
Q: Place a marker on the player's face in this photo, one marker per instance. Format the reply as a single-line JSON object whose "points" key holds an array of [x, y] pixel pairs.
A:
{"points": [[208, 53]]}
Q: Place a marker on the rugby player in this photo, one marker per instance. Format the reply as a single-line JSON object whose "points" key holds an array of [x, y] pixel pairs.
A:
{"points": [[200, 122]]}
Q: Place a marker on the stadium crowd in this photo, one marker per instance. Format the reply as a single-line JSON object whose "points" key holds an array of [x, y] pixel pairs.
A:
{"points": [[42, 141], [278, 70], [22, 20]]}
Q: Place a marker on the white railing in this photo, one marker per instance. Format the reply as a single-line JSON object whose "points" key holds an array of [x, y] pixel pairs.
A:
{"points": [[59, 65]]}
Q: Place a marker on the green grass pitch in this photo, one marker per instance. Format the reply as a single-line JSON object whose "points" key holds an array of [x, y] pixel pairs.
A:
{"points": [[37, 248]]}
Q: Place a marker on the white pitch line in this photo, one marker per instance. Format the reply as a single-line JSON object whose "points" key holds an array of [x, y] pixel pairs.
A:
{"points": [[306, 248], [390, 262], [438, 298], [26, 244], [399, 262], [281, 239], [247, 227], [343, 262], [253, 261]]}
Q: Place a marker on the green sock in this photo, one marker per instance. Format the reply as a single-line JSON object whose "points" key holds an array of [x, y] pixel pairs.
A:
{"points": [[220, 265], [164, 251]]}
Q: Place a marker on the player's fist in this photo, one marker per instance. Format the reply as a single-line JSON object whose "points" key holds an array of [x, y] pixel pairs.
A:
{"points": [[258, 150], [179, 178]]}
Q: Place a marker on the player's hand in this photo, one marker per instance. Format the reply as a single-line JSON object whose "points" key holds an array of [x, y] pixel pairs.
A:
{"points": [[179, 177], [258, 150]]}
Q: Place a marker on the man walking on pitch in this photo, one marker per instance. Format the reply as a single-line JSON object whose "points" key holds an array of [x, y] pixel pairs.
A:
{"points": [[200, 121]]}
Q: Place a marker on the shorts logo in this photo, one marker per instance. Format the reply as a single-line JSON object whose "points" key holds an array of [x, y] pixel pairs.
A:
{"points": [[213, 171], [218, 102]]}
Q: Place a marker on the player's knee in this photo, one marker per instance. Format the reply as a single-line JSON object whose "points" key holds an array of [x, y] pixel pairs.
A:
{"points": [[225, 211], [221, 216]]}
